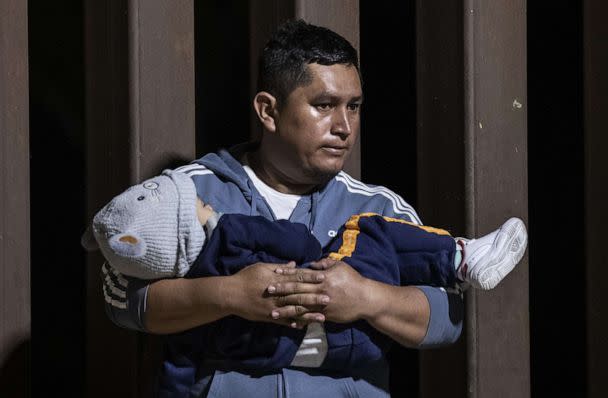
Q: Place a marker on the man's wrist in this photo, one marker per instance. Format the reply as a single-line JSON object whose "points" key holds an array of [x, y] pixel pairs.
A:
{"points": [[400, 312], [372, 293], [212, 296], [228, 296], [178, 304]]}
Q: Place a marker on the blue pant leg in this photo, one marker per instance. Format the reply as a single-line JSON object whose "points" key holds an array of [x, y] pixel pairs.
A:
{"points": [[397, 252], [425, 256]]}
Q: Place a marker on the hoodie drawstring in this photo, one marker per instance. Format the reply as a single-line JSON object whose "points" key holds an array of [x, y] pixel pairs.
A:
{"points": [[313, 210], [254, 200]]}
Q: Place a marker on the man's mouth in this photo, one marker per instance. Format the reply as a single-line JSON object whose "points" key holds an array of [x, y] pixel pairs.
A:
{"points": [[335, 150]]}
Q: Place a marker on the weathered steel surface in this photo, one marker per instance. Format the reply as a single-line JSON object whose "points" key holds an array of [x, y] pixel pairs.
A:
{"points": [[472, 116], [497, 181], [15, 307], [140, 119], [595, 64]]}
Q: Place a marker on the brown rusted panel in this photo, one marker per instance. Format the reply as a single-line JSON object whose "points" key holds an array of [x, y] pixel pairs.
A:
{"points": [[140, 119], [472, 116], [162, 83], [497, 181], [596, 175], [341, 16], [264, 17], [162, 111], [15, 307]]}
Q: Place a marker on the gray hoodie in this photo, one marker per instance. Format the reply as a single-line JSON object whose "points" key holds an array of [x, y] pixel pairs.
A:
{"points": [[222, 182]]}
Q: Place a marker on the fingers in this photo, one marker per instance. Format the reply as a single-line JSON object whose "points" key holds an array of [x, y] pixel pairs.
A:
{"points": [[286, 288], [289, 265], [318, 266], [308, 300], [301, 275], [289, 316], [324, 263], [287, 269]]}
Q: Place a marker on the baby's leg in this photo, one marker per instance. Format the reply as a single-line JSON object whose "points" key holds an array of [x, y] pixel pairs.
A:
{"points": [[396, 252], [402, 253]]}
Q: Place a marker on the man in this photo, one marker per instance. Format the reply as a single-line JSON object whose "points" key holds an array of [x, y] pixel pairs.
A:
{"points": [[309, 105]]}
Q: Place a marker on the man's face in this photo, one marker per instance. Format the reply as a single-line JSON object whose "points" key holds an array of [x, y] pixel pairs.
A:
{"points": [[318, 124]]}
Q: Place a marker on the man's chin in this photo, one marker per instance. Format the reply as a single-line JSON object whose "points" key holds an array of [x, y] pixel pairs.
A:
{"points": [[321, 175]]}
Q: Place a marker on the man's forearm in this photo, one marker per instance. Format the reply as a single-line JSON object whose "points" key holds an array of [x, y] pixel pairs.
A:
{"points": [[414, 316], [175, 305], [400, 312]]}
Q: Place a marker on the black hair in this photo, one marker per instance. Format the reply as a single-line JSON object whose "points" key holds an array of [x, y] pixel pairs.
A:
{"points": [[295, 44]]}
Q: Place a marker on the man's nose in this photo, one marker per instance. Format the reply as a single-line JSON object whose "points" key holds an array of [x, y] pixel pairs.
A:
{"points": [[341, 123]]}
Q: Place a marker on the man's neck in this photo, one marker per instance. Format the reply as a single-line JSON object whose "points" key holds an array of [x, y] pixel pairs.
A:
{"points": [[273, 177]]}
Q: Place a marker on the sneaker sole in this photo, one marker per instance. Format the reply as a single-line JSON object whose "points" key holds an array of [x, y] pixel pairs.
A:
{"points": [[509, 248]]}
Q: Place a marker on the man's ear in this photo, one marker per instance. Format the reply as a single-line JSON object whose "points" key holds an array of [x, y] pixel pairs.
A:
{"points": [[265, 105]]}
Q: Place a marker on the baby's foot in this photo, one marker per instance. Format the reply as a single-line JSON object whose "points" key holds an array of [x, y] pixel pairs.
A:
{"points": [[487, 260]]}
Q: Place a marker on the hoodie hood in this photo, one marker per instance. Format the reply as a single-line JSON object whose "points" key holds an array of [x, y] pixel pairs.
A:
{"points": [[234, 192], [225, 164]]}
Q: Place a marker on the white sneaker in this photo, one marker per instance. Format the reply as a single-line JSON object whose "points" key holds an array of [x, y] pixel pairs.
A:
{"points": [[487, 260]]}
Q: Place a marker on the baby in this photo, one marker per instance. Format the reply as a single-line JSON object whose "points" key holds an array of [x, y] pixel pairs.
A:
{"points": [[158, 228], [161, 229]]}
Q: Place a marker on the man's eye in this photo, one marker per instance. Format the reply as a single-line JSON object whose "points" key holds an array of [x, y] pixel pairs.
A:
{"points": [[354, 107], [323, 107]]}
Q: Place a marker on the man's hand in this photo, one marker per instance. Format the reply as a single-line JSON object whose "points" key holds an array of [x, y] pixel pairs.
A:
{"points": [[281, 294], [400, 312], [250, 297], [178, 304], [344, 287]]}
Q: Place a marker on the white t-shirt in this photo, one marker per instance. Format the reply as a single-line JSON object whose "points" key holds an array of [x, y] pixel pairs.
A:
{"points": [[282, 204], [313, 349]]}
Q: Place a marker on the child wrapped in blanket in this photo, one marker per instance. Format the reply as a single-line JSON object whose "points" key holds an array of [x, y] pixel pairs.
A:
{"points": [[161, 229]]}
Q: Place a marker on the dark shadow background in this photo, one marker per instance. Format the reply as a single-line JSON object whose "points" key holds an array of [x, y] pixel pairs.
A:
{"points": [[222, 74], [57, 137], [57, 167], [556, 199], [388, 128]]}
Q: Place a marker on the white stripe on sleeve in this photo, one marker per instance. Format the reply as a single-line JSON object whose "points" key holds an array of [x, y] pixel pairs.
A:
{"points": [[190, 167], [402, 204], [114, 293], [199, 172], [114, 303], [399, 205]]}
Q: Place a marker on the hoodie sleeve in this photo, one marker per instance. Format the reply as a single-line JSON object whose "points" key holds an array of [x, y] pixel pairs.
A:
{"points": [[125, 298], [447, 308], [446, 319]]}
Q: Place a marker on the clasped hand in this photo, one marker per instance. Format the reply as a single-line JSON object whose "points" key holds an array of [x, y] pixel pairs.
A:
{"points": [[329, 291]]}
